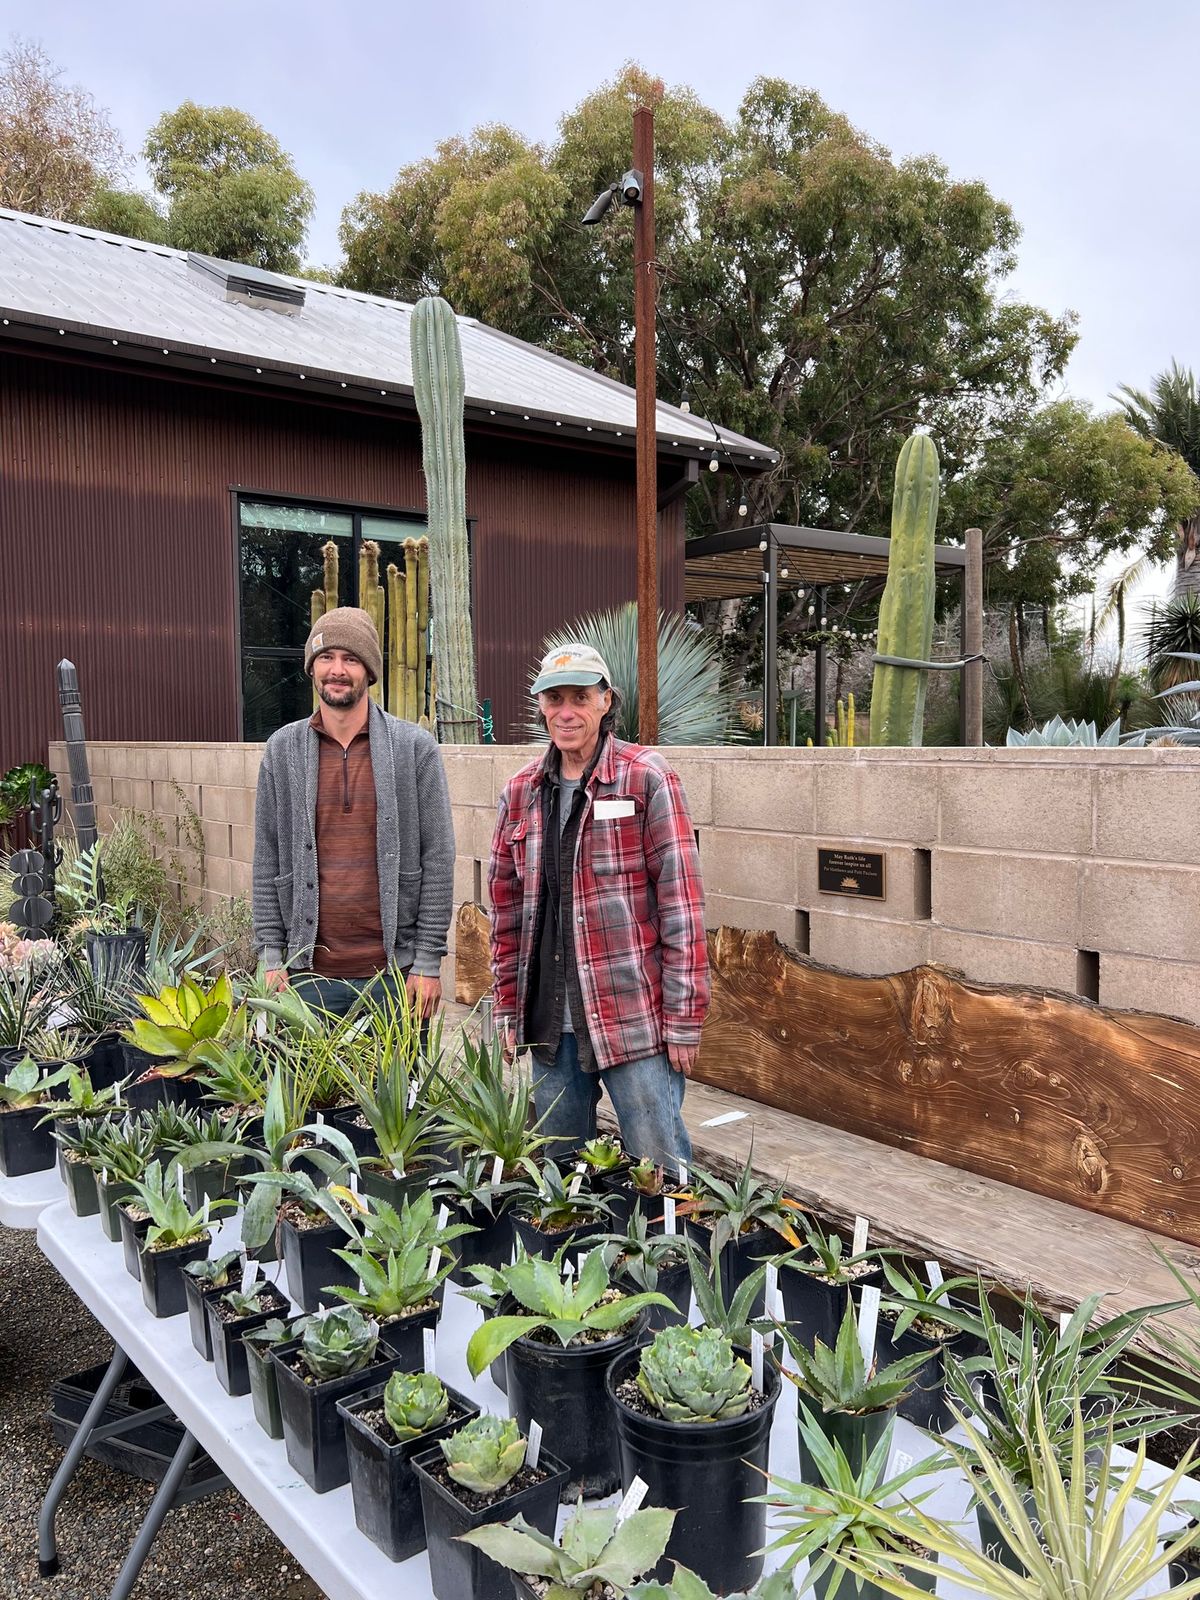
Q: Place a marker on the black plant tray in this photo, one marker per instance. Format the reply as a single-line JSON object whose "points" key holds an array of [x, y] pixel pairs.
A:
{"points": [[146, 1450]]}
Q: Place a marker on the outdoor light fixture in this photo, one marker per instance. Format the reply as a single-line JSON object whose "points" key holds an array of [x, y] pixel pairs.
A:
{"points": [[762, 544], [743, 508], [628, 190], [714, 465], [684, 403], [783, 572]]}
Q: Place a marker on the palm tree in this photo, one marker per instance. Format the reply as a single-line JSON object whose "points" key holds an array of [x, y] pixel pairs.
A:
{"points": [[1171, 414]]}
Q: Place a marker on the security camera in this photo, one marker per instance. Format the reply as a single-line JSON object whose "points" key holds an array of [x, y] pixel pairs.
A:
{"points": [[631, 188]]}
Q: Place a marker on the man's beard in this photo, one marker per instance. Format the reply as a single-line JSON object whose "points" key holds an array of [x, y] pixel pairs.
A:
{"points": [[341, 696]]}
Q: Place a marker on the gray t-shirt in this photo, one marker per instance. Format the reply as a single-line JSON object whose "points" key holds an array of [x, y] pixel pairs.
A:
{"points": [[566, 800]]}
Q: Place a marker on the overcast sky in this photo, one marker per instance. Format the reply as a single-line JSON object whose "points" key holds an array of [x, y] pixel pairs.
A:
{"points": [[1077, 112]]}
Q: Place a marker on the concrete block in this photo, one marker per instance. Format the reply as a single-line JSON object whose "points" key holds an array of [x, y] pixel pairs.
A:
{"points": [[508, 759], [726, 911], [697, 779], [1137, 983], [1130, 829], [869, 799], [993, 960], [748, 866], [464, 880], [179, 764], [231, 767], [469, 777], [217, 875], [205, 764], [1014, 896], [158, 761], [133, 761], [483, 827], [240, 805], [122, 791], [1017, 808], [1141, 910], [240, 878], [865, 944], [241, 846], [141, 794], [772, 796], [217, 843], [899, 878], [216, 802], [253, 754]]}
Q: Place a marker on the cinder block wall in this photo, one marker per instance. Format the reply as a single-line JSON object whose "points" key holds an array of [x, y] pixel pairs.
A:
{"points": [[1069, 869]]}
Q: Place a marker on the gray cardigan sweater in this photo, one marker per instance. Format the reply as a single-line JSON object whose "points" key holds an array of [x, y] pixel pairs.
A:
{"points": [[415, 844]]}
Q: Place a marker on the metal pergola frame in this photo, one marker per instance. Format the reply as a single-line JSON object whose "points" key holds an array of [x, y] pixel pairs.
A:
{"points": [[744, 562]]}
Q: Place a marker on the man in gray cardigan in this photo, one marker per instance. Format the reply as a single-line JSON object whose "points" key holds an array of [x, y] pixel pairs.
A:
{"points": [[353, 837]]}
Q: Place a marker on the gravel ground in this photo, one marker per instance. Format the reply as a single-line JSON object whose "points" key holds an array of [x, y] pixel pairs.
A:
{"points": [[214, 1549]]}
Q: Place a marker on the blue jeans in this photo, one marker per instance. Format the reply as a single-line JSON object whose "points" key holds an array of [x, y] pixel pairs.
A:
{"points": [[339, 994], [647, 1096]]}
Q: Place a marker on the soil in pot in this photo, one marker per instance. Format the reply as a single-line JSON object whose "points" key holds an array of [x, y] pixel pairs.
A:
{"points": [[709, 1470], [134, 1224], [459, 1571], [563, 1388], [814, 1306], [225, 1331], [404, 1336], [162, 1275], [387, 1498], [308, 1255], [1170, 1446], [110, 1195], [24, 1146], [312, 1428], [925, 1405], [350, 1121], [81, 1187]]}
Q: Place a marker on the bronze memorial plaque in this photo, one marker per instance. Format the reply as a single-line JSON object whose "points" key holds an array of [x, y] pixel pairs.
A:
{"points": [[858, 873]]}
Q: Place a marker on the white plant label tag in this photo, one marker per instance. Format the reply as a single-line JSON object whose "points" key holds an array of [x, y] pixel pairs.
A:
{"points": [[179, 1180], [582, 1256], [117, 1095], [756, 1359], [573, 1186], [398, 1171], [868, 1321], [104, 1176], [771, 1292], [634, 1495], [668, 1213], [683, 1174], [1063, 1318], [861, 1227], [354, 1183], [934, 1273], [260, 1024], [412, 1095], [204, 1211], [726, 1116], [427, 1339], [435, 1261], [568, 1268], [249, 1274], [319, 1119], [498, 1170], [443, 1216], [533, 1447]]}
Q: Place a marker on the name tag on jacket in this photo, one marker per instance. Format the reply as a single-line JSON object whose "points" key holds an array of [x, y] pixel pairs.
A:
{"points": [[604, 809]]}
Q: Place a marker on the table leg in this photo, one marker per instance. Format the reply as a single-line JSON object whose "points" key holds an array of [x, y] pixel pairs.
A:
{"points": [[163, 1500], [47, 1544]]}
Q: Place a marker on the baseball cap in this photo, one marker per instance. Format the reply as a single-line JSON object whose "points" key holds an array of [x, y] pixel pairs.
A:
{"points": [[571, 664]]}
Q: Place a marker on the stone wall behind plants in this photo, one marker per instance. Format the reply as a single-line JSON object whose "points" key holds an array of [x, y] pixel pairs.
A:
{"points": [[1070, 869]]}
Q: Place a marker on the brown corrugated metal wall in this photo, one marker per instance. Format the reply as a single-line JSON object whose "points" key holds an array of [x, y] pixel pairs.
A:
{"points": [[116, 540]]}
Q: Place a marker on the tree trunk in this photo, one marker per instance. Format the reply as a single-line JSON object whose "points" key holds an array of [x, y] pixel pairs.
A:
{"points": [[1018, 663], [1187, 559]]}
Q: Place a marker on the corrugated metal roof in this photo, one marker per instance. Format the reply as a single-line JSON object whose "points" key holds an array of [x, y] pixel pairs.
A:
{"points": [[121, 288]]}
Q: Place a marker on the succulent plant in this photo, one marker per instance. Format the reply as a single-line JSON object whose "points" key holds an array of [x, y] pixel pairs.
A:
{"points": [[840, 1380], [603, 1154], [337, 1342], [489, 1111], [172, 1221], [215, 1272], [251, 1304], [485, 1453], [595, 1551], [26, 1085], [647, 1178], [122, 1149], [692, 1375], [1058, 732], [275, 1331], [907, 607], [739, 1206], [81, 1100], [414, 1402], [184, 1026], [555, 1202], [639, 1255], [685, 1585]]}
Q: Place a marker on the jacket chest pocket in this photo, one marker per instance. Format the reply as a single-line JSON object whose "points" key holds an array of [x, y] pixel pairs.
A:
{"points": [[517, 841], [616, 846]]}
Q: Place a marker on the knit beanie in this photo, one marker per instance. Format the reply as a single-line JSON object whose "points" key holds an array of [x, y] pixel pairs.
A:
{"points": [[346, 628]]}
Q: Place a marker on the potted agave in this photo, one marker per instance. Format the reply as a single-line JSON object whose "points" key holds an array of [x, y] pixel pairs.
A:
{"points": [[489, 1112], [175, 1236], [849, 1512], [474, 1198], [692, 1426], [739, 1223], [598, 1553], [654, 1262], [78, 1159], [819, 1281], [230, 1315], [560, 1332], [211, 1152], [26, 1143], [554, 1211], [910, 1319], [334, 1357], [264, 1390], [392, 1125], [477, 1475], [606, 1167], [122, 1152], [386, 1426], [181, 1033], [686, 1585], [81, 1103], [210, 1275]]}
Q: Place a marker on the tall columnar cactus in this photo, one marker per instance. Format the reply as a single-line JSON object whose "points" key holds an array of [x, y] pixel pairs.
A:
{"points": [[371, 598], [326, 598], [439, 389], [906, 610]]}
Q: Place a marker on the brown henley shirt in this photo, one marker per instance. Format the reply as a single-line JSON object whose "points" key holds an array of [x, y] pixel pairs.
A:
{"points": [[349, 928]]}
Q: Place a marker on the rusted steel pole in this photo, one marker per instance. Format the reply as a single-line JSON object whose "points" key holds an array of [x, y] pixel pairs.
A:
{"points": [[644, 314], [972, 686]]}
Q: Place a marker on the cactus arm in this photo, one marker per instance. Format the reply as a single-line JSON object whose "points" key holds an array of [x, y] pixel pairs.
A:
{"points": [[422, 622], [410, 629], [394, 669], [329, 553], [906, 610]]}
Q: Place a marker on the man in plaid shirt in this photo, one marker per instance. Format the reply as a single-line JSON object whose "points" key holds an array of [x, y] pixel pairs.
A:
{"points": [[598, 945]]}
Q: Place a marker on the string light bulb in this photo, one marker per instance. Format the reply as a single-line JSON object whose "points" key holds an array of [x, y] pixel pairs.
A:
{"points": [[743, 505], [762, 544], [713, 464], [783, 572], [685, 404]]}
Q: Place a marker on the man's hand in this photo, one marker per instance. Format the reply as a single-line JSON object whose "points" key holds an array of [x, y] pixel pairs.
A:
{"points": [[276, 979], [683, 1057], [508, 1040], [424, 994]]}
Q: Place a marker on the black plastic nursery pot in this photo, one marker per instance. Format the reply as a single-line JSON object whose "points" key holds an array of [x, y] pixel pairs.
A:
{"points": [[117, 956], [739, 1258], [458, 1571], [213, 1180], [857, 1432], [387, 1497], [311, 1264], [24, 1146], [163, 1275], [104, 1061], [539, 1242], [195, 1292], [151, 1089], [563, 1388], [312, 1426], [225, 1336], [404, 1336], [133, 1234], [994, 1545], [814, 1308], [264, 1389], [110, 1195], [925, 1404], [863, 1588], [676, 1283], [709, 1471], [350, 1121], [381, 1183], [82, 1195], [490, 1246], [1186, 1569]]}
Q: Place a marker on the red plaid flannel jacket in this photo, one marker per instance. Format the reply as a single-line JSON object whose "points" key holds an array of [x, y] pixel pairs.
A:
{"points": [[640, 947]]}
